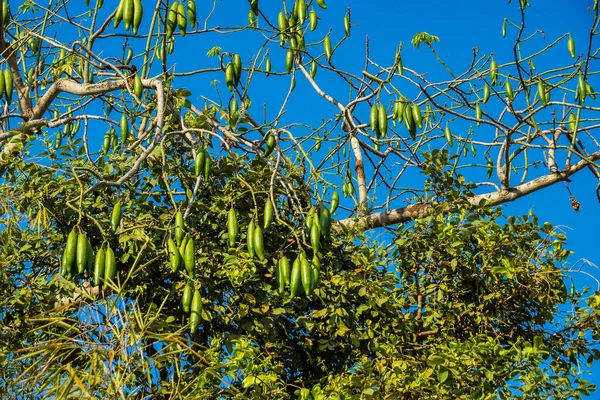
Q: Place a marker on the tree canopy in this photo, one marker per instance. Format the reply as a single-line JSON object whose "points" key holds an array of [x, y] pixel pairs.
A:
{"points": [[240, 199]]}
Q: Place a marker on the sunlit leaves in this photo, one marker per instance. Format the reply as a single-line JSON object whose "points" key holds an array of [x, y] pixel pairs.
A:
{"points": [[424, 38]]}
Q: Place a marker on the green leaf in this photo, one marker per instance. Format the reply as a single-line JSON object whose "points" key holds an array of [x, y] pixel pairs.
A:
{"points": [[442, 375], [433, 360], [249, 381], [214, 51]]}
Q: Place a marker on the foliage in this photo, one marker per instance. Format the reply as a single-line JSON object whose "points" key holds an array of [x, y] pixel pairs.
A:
{"points": [[455, 300]]}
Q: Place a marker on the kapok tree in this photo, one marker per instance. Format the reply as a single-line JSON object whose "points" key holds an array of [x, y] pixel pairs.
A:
{"points": [[172, 228]]}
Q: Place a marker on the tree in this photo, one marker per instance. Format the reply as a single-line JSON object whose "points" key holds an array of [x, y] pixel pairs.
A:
{"points": [[166, 235]]}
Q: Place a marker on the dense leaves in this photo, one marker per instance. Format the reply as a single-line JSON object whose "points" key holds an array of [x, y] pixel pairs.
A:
{"points": [[471, 303]]}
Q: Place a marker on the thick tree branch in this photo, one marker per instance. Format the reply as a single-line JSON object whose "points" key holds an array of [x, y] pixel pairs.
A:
{"points": [[359, 167], [84, 292], [406, 214], [71, 87], [80, 89]]}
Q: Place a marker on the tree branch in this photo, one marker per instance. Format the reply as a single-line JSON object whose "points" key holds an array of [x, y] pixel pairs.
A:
{"points": [[406, 214], [359, 167], [84, 292], [80, 89]]}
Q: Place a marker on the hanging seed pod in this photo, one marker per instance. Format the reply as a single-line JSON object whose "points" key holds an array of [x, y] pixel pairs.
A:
{"points": [[232, 227], [494, 72]]}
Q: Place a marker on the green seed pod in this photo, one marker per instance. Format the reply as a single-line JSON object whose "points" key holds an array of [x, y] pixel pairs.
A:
{"points": [[306, 275], [107, 141], [195, 311], [301, 11], [285, 269], [347, 25], [313, 20], [295, 277], [259, 243], [335, 201], [172, 19], [270, 146], [327, 48], [494, 72], [8, 85], [99, 267], [541, 90], [3, 85], [268, 66], [571, 47], [486, 93], [448, 136], [137, 86], [189, 258], [115, 219], [232, 227], [124, 125], [118, 15], [325, 221], [382, 120], [252, 19], [269, 213], [110, 267], [181, 19], [315, 236], [82, 253], [282, 22], [181, 249], [401, 106], [374, 119], [250, 238], [237, 68], [316, 271], [179, 228], [313, 68], [199, 162], [416, 113], [207, 165], [490, 167], [191, 13], [174, 256], [289, 61], [70, 253], [128, 11], [509, 89], [138, 13], [280, 275], [186, 298], [233, 112]]}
